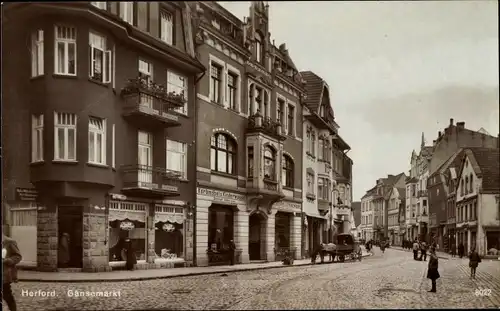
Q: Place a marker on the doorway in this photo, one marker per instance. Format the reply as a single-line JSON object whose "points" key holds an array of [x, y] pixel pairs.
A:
{"points": [[256, 241], [70, 224]]}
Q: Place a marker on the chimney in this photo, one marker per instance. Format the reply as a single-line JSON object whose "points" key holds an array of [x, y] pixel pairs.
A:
{"points": [[439, 134], [451, 121], [434, 143], [282, 48], [461, 125]]}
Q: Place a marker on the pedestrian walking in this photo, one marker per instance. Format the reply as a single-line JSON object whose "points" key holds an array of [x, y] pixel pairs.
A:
{"points": [[432, 270], [453, 250], [423, 251], [232, 250], [474, 260], [416, 246], [131, 259], [11, 256], [461, 250], [63, 253]]}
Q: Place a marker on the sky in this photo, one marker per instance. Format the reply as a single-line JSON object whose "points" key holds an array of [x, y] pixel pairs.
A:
{"points": [[395, 70]]}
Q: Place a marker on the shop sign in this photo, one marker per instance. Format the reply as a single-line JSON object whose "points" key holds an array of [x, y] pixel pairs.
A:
{"points": [[127, 225], [288, 207], [168, 227], [26, 194], [222, 196]]}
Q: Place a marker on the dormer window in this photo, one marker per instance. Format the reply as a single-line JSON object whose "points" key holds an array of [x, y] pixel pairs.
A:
{"points": [[471, 187], [258, 48], [466, 184]]}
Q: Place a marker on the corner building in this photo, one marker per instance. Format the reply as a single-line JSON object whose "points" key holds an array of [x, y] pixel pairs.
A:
{"points": [[249, 140], [98, 133]]}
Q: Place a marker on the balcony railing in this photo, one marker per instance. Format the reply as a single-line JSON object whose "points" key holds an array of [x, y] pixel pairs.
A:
{"points": [[258, 123], [146, 180], [146, 109], [421, 193], [142, 86], [270, 185]]}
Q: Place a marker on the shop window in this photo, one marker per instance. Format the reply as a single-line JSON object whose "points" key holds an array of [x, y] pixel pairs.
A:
{"points": [[492, 241], [220, 228], [127, 221], [169, 232]]}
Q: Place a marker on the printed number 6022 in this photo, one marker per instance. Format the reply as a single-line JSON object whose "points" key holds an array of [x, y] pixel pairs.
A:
{"points": [[483, 292]]}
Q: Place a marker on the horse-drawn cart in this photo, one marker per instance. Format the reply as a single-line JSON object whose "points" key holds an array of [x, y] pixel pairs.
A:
{"points": [[345, 248]]}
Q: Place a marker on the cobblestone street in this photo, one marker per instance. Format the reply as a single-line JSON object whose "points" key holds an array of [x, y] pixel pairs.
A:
{"points": [[390, 280]]}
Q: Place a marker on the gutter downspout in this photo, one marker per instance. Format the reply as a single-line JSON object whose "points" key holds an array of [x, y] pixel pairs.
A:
{"points": [[195, 153]]}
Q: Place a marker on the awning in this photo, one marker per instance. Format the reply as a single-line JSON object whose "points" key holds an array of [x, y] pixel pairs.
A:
{"points": [[316, 215]]}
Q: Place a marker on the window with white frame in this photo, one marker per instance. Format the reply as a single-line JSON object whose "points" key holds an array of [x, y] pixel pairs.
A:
{"points": [[146, 74], [166, 27], [37, 138], [65, 50], [99, 4], [100, 58], [323, 188], [232, 79], [64, 136], [37, 61], [127, 11], [291, 120], [215, 78], [310, 183], [280, 115], [177, 84], [177, 157], [97, 140]]}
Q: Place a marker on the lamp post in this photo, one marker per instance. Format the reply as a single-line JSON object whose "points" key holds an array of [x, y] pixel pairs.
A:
{"points": [[332, 205]]}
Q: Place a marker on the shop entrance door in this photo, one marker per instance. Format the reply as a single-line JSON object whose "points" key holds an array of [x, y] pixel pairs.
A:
{"points": [[70, 248], [256, 243]]}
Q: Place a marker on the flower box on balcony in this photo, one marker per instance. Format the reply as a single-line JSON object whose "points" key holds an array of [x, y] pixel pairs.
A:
{"points": [[142, 86]]}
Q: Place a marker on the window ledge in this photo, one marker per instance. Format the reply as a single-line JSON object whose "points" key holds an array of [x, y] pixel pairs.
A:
{"points": [[36, 163], [288, 188], [106, 85], [73, 162], [63, 76], [223, 174], [270, 181], [97, 165], [37, 77], [184, 180]]}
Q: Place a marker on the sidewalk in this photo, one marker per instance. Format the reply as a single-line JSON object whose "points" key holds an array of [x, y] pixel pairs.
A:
{"points": [[141, 275], [440, 254]]}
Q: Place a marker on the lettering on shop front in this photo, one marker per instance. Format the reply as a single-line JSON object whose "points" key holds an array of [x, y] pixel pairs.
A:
{"points": [[222, 196], [287, 206]]}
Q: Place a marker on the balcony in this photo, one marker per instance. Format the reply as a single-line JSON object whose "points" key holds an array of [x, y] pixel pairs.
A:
{"points": [[422, 194], [149, 104], [342, 210], [265, 125], [266, 190], [146, 181], [424, 218]]}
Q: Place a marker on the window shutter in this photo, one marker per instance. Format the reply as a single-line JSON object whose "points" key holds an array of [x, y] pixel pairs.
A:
{"points": [[92, 61], [170, 30], [107, 67]]}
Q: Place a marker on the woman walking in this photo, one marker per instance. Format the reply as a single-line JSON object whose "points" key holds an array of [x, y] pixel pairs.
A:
{"points": [[432, 270], [10, 258], [474, 260]]}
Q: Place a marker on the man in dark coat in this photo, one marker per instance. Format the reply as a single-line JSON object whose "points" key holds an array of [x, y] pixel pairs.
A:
{"points": [[11, 256], [432, 270], [416, 247], [131, 259], [232, 250], [461, 250]]}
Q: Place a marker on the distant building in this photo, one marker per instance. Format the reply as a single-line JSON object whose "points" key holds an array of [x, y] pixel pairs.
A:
{"points": [[396, 198]]}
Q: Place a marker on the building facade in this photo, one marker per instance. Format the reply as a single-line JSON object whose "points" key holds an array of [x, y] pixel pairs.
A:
{"points": [[477, 200], [97, 149], [446, 146], [326, 168], [396, 199], [367, 215], [249, 139]]}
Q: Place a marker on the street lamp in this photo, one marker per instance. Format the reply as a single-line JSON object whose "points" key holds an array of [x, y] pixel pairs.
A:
{"points": [[332, 205]]}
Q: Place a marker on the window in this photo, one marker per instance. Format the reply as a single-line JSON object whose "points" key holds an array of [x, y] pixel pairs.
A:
{"points": [[323, 188], [313, 143], [169, 232], [466, 184], [269, 163], [231, 90], [100, 59], [291, 123], [100, 5], [222, 153], [146, 74], [127, 11], [177, 157], [215, 77], [474, 211], [250, 162], [320, 147], [287, 172], [97, 140], [258, 48], [64, 136], [471, 187], [220, 228], [113, 148], [167, 27], [462, 187], [37, 138], [178, 85], [281, 112], [37, 61], [65, 50], [310, 183]]}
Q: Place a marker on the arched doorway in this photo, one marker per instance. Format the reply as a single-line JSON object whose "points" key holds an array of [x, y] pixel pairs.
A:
{"points": [[257, 237]]}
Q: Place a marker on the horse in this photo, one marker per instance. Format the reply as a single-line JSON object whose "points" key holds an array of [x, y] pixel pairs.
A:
{"points": [[322, 250]]}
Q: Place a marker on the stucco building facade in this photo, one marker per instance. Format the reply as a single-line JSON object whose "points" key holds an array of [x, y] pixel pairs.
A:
{"points": [[97, 148], [249, 139]]}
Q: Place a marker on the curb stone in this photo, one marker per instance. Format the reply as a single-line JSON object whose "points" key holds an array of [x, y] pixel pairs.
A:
{"points": [[146, 278]]}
